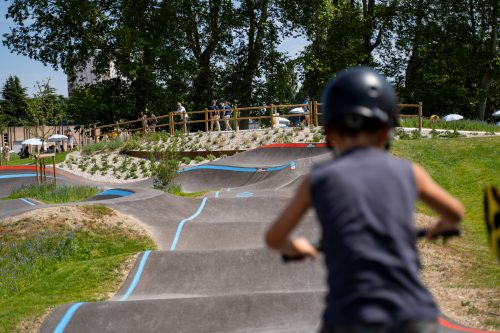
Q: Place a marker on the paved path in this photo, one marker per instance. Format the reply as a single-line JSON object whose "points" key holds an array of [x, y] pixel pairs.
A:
{"points": [[212, 272]]}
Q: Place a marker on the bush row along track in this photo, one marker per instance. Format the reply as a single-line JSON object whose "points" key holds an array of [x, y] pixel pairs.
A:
{"points": [[212, 273]]}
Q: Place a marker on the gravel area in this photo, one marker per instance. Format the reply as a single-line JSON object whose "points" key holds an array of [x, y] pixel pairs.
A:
{"points": [[109, 167]]}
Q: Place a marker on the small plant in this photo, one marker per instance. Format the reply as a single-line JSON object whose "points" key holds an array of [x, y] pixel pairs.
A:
{"points": [[199, 159], [245, 140], [317, 137], [402, 134], [415, 135], [221, 141], [97, 211], [211, 157], [186, 160]]}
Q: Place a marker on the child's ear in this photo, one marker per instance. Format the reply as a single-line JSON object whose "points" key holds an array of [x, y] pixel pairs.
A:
{"points": [[384, 134]]}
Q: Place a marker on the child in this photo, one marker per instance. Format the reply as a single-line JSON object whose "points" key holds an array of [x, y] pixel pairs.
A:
{"points": [[365, 200]]}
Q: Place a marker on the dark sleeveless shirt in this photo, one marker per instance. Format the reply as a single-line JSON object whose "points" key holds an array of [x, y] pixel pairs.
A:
{"points": [[365, 200]]}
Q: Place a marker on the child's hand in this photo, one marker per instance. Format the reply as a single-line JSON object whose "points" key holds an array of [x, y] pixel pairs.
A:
{"points": [[441, 226], [300, 247]]}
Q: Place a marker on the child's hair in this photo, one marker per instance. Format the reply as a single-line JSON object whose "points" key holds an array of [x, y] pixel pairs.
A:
{"points": [[351, 125]]}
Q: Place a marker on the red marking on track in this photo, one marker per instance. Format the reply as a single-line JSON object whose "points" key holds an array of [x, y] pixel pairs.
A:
{"points": [[443, 322], [296, 145], [18, 167]]}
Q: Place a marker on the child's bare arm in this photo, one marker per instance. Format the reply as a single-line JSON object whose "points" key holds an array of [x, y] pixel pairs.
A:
{"points": [[451, 210], [277, 237]]}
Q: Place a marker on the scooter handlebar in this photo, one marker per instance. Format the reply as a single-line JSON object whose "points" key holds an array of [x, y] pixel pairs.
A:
{"points": [[421, 232]]}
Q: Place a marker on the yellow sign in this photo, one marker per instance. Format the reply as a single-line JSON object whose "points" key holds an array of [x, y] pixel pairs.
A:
{"points": [[492, 218]]}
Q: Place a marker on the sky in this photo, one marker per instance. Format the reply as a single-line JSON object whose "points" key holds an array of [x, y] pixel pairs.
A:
{"points": [[31, 71]]}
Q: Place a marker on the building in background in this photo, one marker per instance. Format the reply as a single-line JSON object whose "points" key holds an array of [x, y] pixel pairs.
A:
{"points": [[86, 76]]}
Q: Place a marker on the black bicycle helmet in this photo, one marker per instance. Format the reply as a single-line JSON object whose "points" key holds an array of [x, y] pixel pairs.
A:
{"points": [[360, 91]]}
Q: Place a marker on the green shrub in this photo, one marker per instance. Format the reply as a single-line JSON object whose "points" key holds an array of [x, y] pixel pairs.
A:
{"points": [[51, 193], [199, 159], [165, 171], [211, 157], [101, 146], [186, 160], [317, 137]]}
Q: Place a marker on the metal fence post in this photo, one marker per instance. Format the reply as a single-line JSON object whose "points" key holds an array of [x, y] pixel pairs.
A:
{"points": [[420, 115], [272, 116]]}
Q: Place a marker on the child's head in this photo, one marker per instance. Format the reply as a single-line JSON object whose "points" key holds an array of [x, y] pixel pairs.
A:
{"points": [[359, 106]]}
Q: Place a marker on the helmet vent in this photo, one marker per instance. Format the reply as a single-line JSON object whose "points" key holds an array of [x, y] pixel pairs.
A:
{"points": [[373, 92]]}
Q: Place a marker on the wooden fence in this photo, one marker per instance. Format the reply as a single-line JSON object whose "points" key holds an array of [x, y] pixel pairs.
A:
{"points": [[419, 114], [266, 115]]}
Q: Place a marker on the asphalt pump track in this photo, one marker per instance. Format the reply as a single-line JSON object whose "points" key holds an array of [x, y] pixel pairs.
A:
{"points": [[212, 272]]}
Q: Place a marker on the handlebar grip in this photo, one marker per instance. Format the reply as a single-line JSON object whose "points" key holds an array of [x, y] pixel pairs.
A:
{"points": [[286, 258], [451, 233]]}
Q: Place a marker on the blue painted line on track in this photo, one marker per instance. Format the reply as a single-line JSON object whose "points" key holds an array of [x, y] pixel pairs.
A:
{"points": [[67, 317], [18, 175], [216, 194], [181, 224], [137, 276], [244, 195], [120, 193], [27, 201], [237, 169]]}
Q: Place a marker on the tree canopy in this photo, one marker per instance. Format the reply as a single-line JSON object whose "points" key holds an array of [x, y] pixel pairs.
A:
{"points": [[14, 102], [442, 52]]}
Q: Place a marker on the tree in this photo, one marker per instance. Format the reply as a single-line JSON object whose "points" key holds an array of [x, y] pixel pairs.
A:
{"points": [[449, 52], [104, 103], [343, 33], [208, 29], [14, 102], [45, 110], [140, 38]]}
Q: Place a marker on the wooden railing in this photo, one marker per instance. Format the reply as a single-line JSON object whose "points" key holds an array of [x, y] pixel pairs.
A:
{"points": [[267, 114], [419, 115]]}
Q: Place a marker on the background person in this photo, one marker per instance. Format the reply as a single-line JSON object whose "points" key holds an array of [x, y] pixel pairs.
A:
{"points": [[307, 111], [181, 111], [71, 141], [365, 201], [6, 153], [228, 111], [214, 116], [152, 121]]}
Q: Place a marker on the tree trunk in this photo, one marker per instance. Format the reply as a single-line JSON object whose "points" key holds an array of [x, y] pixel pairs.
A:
{"points": [[487, 69], [415, 59]]}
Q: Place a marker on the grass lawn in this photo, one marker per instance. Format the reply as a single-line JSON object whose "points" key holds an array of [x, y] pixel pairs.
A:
{"points": [[460, 125], [463, 166], [44, 263], [50, 193], [15, 160]]}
